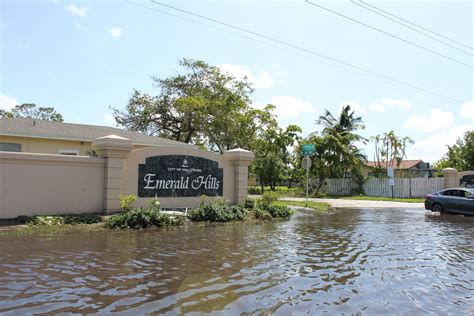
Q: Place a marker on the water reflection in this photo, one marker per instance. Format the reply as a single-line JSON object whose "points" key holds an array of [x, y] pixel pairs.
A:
{"points": [[368, 261]]}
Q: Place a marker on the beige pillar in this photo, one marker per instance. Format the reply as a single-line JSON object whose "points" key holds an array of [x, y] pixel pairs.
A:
{"points": [[115, 150], [451, 178], [240, 160]]}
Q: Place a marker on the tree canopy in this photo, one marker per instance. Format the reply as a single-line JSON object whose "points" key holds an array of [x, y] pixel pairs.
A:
{"points": [[200, 105], [31, 110], [337, 154], [460, 155]]}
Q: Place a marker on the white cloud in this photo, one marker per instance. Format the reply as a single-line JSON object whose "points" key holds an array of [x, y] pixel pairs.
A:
{"points": [[79, 26], [7, 103], [109, 120], [116, 32], [467, 110], [356, 107], [383, 104], [242, 71], [431, 149], [287, 106], [76, 10], [436, 120]]}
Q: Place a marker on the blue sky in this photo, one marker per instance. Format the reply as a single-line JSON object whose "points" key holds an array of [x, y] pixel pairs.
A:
{"points": [[82, 57]]}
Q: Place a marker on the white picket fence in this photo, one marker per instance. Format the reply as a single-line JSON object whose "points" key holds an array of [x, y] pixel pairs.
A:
{"points": [[403, 188]]}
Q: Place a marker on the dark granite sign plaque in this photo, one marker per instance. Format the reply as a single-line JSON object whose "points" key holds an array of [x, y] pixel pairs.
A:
{"points": [[179, 176]]}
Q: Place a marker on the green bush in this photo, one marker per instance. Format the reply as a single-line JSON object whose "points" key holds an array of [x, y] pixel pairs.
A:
{"points": [[141, 218], [279, 211], [261, 214], [268, 198], [126, 202], [249, 204], [218, 211]]}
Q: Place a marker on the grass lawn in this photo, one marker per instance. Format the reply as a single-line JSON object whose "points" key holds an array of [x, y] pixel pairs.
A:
{"points": [[318, 206]]}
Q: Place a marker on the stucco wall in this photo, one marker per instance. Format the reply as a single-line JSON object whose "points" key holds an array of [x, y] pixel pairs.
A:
{"points": [[138, 157], [51, 146], [47, 146], [33, 184]]}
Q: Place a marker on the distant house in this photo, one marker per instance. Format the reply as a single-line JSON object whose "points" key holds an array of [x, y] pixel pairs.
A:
{"points": [[47, 137], [407, 168]]}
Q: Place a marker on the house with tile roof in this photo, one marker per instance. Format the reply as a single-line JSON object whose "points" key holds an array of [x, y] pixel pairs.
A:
{"points": [[48, 137], [406, 169]]}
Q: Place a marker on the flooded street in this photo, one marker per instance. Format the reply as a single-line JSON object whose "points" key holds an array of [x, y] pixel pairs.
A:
{"points": [[372, 261]]}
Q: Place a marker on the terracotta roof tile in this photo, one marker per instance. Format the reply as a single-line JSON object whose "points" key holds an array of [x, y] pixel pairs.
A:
{"points": [[405, 164]]}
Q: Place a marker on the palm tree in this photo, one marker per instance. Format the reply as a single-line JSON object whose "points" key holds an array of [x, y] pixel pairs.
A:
{"points": [[342, 134], [390, 150], [344, 126]]}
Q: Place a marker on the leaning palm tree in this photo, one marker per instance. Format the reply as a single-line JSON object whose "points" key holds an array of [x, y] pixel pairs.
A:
{"points": [[344, 127]]}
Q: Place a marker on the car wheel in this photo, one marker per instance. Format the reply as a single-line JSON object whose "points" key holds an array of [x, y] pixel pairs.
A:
{"points": [[437, 208]]}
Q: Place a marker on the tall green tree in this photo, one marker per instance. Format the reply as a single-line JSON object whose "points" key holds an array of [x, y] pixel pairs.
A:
{"points": [[200, 105], [460, 155], [344, 127], [31, 110], [337, 154], [272, 158]]}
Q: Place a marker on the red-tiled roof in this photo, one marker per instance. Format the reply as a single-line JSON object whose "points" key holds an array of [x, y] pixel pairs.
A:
{"points": [[405, 164]]}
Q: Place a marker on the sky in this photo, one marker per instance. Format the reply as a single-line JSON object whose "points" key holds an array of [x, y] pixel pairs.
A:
{"points": [[84, 57]]}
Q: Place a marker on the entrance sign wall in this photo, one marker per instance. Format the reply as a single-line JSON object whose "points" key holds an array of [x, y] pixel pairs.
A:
{"points": [[36, 184], [179, 176]]}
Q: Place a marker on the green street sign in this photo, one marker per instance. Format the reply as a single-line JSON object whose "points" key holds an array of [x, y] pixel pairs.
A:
{"points": [[308, 150]]}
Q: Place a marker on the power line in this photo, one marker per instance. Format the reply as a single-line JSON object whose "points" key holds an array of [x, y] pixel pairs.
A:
{"points": [[367, 71], [421, 27], [263, 42], [388, 34], [410, 27]]}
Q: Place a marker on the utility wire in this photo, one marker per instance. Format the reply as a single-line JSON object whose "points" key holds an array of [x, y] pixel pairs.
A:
{"points": [[388, 34], [410, 27], [414, 24], [318, 58], [367, 71]]}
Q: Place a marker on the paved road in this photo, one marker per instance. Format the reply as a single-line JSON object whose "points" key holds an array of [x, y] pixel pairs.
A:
{"points": [[340, 203]]}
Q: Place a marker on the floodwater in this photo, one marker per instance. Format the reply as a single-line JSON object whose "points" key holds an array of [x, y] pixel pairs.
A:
{"points": [[369, 262]]}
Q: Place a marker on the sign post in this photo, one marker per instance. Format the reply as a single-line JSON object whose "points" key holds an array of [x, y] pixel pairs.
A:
{"points": [[308, 150], [391, 178]]}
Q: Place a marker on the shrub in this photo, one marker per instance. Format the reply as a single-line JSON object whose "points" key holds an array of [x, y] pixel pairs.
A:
{"points": [[141, 218], [279, 211], [262, 214], [218, 211], [126, 202], [249, 204], [268, 198]]}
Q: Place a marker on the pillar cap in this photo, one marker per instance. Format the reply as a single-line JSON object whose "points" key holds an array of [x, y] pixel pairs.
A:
{"points": [[239, 156], [449, 170], [112, 146]]}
